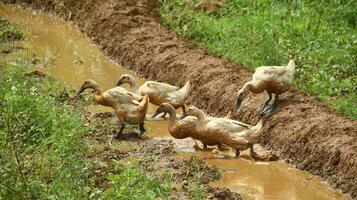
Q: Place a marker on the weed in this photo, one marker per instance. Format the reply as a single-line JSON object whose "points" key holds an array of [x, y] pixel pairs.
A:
{"points": [[133, 183], [43, 135], [10, 31]]}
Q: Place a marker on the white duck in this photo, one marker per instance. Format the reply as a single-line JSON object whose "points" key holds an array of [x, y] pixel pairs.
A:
{"points": [[126, 105], [234, 134], [159, 92], [272, 79]]}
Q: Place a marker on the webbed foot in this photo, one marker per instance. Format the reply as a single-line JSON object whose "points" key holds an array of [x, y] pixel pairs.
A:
{"points": [[237, 153], [116, 136]]}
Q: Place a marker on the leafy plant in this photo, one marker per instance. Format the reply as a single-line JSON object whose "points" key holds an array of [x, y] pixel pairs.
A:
{"points": [[40, 140], [10, 31]]}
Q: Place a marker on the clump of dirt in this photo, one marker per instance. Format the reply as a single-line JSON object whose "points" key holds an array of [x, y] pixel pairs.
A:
{"points": [[37, 75], [224, 193], [302, 130], [209, 6]]}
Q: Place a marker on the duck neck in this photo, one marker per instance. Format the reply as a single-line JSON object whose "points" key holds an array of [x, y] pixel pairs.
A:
{"points": [[201, 116], [98, 98], [132, 83], [254, 87], [172, 114]]}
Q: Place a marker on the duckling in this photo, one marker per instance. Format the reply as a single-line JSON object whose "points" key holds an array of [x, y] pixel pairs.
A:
{"points": [[234, 134], [182, 128], [159, 92], [128, 107], [272, 79]]}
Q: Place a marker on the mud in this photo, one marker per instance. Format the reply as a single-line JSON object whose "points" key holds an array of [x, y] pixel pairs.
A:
{"points": [[154, 156], [303, 130]]}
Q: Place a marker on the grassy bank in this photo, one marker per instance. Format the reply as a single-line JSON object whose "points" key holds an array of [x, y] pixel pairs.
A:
{"points": [[320, 36], [43, 141]]}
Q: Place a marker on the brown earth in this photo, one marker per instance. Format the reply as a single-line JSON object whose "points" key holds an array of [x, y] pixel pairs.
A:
{"points": [[303, 130]]}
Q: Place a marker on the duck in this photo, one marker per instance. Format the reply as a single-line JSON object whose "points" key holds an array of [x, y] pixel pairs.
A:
{"points": [[129, 108], [159, 92], [182, 128], [272, 79], [234, 134]]}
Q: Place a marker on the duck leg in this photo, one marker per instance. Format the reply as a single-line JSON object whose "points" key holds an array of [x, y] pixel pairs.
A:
{"points": [[196, 145], [221, 147], [141, 128], [237, 153], [264, 107], [252, 153], [120, 131], [269, 109]]}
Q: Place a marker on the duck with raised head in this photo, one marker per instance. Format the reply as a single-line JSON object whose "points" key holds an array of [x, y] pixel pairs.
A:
{"points": [[272, 79], [129, 108], [159, 92], [234, 134]]}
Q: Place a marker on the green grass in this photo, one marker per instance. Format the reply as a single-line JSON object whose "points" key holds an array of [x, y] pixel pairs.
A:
{"points": [[320, 35], [40, 140], [43, 147], [9, 31], [134, 183]]}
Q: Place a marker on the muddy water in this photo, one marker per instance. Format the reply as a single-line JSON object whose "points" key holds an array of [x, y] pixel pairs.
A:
{"points": [[68, 55]]}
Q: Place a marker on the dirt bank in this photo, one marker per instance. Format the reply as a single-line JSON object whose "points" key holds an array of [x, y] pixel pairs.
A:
{"points": [[303, 130]]}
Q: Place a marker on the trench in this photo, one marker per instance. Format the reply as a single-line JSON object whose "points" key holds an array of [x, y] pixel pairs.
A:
{"points": [[63, 51]]}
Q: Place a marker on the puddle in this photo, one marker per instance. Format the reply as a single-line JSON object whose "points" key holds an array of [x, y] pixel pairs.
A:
{"points": [[69, 56]]}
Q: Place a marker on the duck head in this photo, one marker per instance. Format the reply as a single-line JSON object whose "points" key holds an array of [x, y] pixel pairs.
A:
{"points": [[242, 93], [88, 84], [126, 78], [163, 108], [193, 111]]}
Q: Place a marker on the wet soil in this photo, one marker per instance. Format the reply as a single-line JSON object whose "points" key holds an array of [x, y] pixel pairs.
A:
{"points": [[303, 130], [152, 155]]}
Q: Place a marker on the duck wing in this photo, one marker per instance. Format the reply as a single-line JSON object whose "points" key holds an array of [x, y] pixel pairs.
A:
{"points": [[122, 96], [226, 125], [152, 88]]}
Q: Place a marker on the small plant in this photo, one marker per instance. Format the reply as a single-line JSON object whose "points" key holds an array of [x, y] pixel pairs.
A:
{"points": [[10, 31], [194, 187], [134, 183]]}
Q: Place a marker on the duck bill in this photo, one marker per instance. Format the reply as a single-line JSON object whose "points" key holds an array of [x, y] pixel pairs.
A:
{"points": [[119, 83], [155, 114], [80, 90], [238, 103]]}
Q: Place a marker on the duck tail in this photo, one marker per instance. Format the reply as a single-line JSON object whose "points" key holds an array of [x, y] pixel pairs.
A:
{"points": [[258, 126], [186, 87], [144, 103], [291, 66], [229, 115], [256, 130]]}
